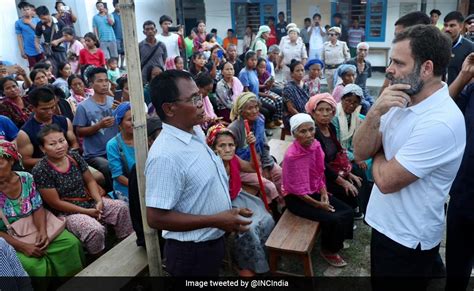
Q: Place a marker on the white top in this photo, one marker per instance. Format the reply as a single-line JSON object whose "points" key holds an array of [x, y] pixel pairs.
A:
{"points": [[171, 43], [184, 175], [316, 41], [335, 54], [428, 140]]}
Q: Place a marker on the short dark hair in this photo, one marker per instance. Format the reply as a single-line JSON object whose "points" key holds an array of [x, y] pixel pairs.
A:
{"points": [[100, 2], [281, 13], [214, 30], [41, 94], [337, 15], [47, 129], [42, 11], [24, 4], [94, 38], [454, 15], [307, 19], [230, 30], [121, 82], [36, 72], [413, 18], [164, 89], [98, 70], [58, 92], [73, 77], [316, 15], [149, 70], [147, 23], [68, 30], [293, 65], [428, 43], [115, 2], [112, 59], [164, 18], [272, 18], [204, 79], [435, 11], [249, 55], [5, 80], [58, 2], [42, 65]]}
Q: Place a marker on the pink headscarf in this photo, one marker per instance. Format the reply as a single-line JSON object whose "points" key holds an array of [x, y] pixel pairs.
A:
{"points": [[318, 98]]}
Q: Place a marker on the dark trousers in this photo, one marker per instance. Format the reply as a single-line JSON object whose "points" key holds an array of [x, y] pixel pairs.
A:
{"points": [[101, 164], [396, 267], [268, 111], [192, 259], [459, 248], [335, 226], [339, 192]]}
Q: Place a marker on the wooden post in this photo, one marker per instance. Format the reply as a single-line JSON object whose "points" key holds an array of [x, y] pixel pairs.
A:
{"points": [[127, 10]]}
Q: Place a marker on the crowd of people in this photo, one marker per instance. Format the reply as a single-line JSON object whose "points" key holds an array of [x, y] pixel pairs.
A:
{"points": [[67, 144]]}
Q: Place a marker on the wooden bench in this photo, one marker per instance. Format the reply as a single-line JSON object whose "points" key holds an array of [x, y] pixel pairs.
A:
{"points": [[124, 261], [295, 236]]}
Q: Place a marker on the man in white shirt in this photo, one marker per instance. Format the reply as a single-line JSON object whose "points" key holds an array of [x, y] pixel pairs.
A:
{"points": [[416, 136], [187, 188], [316, 37], [171, 40]]}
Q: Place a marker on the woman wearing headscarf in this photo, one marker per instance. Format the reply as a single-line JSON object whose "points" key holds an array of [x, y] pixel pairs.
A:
{"points": [[305, 190], [291, 50], [69, 189], [249, 247], [260, 45], [19, 198], [340, 181], [120, 151], [246, 107], [314, 68], [335, 52], [347, 73]]}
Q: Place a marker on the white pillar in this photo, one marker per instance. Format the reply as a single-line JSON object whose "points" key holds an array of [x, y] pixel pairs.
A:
{"points": [[9, 50]]}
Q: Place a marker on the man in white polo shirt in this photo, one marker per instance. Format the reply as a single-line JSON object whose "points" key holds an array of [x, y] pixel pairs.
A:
{"points": [[416, 136]]}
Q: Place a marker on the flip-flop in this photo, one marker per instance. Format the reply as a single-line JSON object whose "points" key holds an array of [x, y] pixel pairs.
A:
{"points": [[334, 260]]}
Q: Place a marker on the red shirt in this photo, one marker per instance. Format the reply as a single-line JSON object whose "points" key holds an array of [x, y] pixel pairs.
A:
{"points": [[272, 39], [87, 58]]}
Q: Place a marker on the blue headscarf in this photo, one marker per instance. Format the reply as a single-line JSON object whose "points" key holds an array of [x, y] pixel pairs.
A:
{"points": [[120, 111], [313, 62]]}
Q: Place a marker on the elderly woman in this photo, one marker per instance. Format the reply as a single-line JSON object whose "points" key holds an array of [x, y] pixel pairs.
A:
{"points": [[305, 190], [120, 151], [14, 106], [227, 90], [246, 107], [249, 247], [294, 49], [19, 199], [295, 94], [340, 181], [67, 186], [260, 45], [78, 91], [347, 73], [335, 52], [313, 78]]}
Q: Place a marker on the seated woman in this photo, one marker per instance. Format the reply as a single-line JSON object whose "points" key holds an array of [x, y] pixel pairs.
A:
{"points": [[78, 91], [340, 179], [19, 198], [246, 107], [347, 73], [14, 106], [266, 82], [120, 151], [68, 188], [249, 247], [306, 193], [295, 94], [205, 83], [313, 78], [227, 90], [197, 64]]}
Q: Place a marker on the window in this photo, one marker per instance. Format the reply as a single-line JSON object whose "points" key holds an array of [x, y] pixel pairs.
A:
{"points": [[251, 12], [372, 15]]}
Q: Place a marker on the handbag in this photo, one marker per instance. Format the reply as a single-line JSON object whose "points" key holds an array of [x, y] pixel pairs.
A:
{"points": [[25, 229], [341, 164]]}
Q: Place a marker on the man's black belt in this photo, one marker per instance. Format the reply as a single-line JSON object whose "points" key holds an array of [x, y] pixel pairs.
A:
{"points": [[330, 67]]}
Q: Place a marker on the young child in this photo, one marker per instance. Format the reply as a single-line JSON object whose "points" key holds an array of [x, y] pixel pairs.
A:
{"points": [[74, 48], [266, 82], [64, 71], [313, 79], [113, 73], [179, 63], [348, 74], [91, 54]]}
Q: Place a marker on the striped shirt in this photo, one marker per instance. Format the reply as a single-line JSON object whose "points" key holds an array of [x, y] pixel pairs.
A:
{"points": [[104, 29], [356, 36], [185, 175], [10, 266]]}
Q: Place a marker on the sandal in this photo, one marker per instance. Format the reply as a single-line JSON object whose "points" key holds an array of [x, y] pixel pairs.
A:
{"points": [[334, 260]]}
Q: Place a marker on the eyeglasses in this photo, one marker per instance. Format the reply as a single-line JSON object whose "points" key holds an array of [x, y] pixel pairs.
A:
{"points": [[195, 100]]}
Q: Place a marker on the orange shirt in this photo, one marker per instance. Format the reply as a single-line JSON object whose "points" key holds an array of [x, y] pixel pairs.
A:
{"points": [[228, 41]]}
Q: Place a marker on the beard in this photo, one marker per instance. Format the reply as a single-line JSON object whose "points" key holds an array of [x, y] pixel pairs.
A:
{"points": [[413, 79]]}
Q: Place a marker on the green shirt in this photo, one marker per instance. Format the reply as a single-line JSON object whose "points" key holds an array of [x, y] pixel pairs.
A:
{"points": [[189, 46]]}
